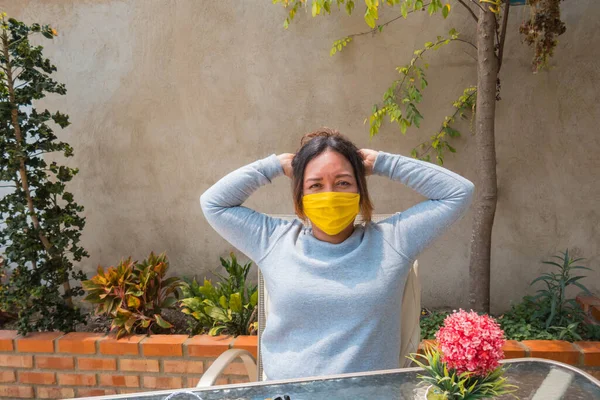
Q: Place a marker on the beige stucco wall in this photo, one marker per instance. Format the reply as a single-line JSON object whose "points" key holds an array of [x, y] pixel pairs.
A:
{"points": [[165, 97]]}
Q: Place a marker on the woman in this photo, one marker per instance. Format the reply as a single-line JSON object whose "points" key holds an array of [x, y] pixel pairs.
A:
{"points": [[335, 288]]}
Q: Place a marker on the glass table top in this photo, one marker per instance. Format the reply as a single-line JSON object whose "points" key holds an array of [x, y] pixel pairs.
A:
{"points": [[537, 380]]}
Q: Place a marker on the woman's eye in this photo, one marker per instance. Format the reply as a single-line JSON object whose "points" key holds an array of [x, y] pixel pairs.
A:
{"points": [[314, 185], [344, 183]]}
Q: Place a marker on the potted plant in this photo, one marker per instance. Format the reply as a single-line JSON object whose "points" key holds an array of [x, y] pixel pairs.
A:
{"points": [[465, 363]]}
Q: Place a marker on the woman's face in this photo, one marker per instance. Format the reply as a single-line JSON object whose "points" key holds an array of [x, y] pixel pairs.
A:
{"points": [[329, 172]]}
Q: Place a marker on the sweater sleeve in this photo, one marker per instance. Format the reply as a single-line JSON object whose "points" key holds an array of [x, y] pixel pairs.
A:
{"points": [[251, 232], [449, 196]]}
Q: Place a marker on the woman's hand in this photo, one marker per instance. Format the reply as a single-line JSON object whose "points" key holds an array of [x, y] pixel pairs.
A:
{"points": [[286, 163], [369, 157]]}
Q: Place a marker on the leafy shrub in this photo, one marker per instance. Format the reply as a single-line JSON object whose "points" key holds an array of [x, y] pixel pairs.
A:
{"points": [[134, 294], [226, 307], [40, 221], [431, 322], [550, 314], [551, 303]]}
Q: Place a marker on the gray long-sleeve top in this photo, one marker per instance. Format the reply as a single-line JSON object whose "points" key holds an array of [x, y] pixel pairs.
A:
{"points": [[334, 307]]}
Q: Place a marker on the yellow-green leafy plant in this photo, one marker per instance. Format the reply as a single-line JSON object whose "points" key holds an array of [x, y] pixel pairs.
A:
{"points": [[134, 294], [226, 307]]}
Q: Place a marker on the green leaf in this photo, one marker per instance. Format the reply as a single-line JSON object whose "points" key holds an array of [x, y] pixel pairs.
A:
{"points": [[235, 302], [349, 6], [223, 301], [216, 330], [445, 11], [168, 302], [254, 299], [133, 302], [161, 322], [369, 19], [404, 10]]}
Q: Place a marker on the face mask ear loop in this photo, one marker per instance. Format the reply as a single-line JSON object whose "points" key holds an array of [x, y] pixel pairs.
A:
{"points": [[172, 395]]}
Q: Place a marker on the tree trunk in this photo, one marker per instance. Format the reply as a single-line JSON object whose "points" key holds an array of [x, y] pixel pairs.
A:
{"points": [[24, 185], [486, 193]]}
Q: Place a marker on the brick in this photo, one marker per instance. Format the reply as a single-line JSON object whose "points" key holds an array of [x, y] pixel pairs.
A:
{"points": [[54, 393], [591, 353], [97, 364], [7, 376], [235, 368], [82, 392], [41, 378], [123, 346], [54, 362], [595, 311], [249, 343], [119, 380], [14, 361], [208, 346], [183, 367], [12, 392], [77, 379], [163, 382], [7, 340], [37, 342], [139, 365], [78, 343], [556, 350], [587, 301], [164, 345], [513, 349]]}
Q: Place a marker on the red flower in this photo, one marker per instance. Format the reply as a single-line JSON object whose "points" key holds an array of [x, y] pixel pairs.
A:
{"points": [[471, 342]]}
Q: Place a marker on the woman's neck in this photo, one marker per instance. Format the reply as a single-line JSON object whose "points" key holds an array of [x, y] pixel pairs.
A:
{"points": [[333, 239]]}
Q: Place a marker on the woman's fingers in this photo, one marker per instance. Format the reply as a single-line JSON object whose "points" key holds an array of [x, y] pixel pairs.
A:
{"points": [[368, 157], [286, 163]]}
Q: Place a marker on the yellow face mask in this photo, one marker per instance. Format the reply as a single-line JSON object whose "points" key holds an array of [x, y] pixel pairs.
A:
{"points": [[331, 211]]}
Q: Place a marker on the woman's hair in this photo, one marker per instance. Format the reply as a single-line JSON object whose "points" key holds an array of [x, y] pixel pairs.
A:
{"points": [[316, 143]]}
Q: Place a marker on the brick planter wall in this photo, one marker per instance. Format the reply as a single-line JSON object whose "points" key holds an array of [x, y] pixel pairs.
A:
{"points": [[57, 365]]}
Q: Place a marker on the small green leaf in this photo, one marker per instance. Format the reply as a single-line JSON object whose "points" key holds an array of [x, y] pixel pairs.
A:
{"points": [[446, 10], [161, 322], [235, 302], [254, 299]]}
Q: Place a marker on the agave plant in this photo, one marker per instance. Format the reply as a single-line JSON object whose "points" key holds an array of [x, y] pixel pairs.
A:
{"points": [[134, 294]]}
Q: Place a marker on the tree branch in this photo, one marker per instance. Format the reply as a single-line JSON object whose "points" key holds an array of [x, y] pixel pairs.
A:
{"points": [[378, 27], [503, 34], [478, 5], [469, 9], [470, 55], [17, 75], [458, 110], [467, 42]]}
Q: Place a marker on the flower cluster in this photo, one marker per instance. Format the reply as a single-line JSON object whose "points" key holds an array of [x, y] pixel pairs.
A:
{"points": [[471, 343]]}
